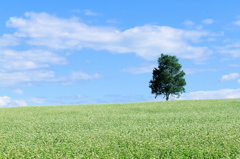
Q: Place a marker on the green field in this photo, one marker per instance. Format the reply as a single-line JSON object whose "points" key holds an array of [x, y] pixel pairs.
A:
{"points": [[173, 129]]}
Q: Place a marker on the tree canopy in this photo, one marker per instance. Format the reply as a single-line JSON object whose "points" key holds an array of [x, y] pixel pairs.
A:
{"points": [[168, 77]]}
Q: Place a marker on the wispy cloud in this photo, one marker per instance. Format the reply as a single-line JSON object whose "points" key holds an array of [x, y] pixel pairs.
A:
{"points": [[27, 60], [237, 22], [218, 94], [18, 91], [90, 12], [77, 76], [74, 97], [208, 21], [28, 78], [86, 12], [37, 100], [234, 65], [191, 25], [230, 49], [230, 76], [124, 98], [188, 23], [25, 78], [83, 76]]}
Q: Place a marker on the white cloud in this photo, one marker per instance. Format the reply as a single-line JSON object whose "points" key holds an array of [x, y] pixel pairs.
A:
{"points": [[218, 94], [6, 101], [44, 29], [208, 21], [147, 41], [230, 76], [150, 41]]}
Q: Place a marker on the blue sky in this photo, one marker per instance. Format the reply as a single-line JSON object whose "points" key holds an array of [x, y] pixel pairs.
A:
{"points": [[86, 52]]}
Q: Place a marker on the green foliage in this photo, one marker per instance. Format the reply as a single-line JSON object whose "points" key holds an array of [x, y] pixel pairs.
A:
{"points": [[168, 77], [175, 129]]}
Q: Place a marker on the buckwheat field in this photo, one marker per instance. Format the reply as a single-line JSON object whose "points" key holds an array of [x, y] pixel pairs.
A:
{"points": [[173, 129]]}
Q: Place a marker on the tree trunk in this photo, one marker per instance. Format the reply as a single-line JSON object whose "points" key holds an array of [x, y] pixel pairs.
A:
{"points": [[167, 97]]}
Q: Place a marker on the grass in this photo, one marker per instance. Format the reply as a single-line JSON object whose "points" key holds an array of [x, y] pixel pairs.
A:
{"points": [[174, 129]]}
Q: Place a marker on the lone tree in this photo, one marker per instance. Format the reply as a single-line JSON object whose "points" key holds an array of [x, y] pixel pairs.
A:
{"points": [[167, 78]]}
